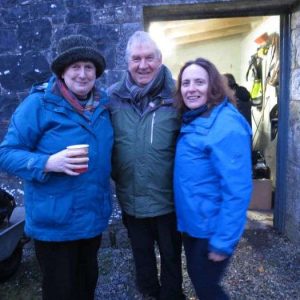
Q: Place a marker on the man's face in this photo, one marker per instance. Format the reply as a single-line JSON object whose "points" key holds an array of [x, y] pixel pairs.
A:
{"points": [[143, 63]]}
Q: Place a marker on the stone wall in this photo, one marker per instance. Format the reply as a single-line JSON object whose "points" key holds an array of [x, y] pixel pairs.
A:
{"points": [[30, 29], [293, 157]]}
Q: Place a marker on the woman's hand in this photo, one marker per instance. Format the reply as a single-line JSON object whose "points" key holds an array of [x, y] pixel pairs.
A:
{"points": [[67, 161], [216, 257]]}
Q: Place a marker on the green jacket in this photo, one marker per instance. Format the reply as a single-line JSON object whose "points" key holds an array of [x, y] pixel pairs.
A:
{"points": [[143, 153]]}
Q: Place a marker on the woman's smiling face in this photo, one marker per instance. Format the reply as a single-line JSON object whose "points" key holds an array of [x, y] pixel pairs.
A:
{"points": [[194, 86], [80, 77]]}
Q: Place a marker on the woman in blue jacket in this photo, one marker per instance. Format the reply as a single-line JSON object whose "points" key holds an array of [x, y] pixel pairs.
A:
{"points": [[66, 210], [212, 179]]}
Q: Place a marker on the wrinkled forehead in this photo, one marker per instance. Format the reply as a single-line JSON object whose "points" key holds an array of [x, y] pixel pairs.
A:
{"points": [[144, 49]]}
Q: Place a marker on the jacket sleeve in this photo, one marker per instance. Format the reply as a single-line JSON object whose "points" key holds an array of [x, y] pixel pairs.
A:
{"points": [[231, 158], [18, 154]]}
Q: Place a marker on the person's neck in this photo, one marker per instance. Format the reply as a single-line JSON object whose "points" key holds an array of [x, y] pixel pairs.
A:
{"points": [[82, 97]]}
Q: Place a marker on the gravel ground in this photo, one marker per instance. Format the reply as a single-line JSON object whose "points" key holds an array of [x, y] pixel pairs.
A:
{"points": [[266, 265]]}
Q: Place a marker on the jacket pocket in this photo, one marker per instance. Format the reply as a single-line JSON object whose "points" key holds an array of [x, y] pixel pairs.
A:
{"points": [[52, 209], [209, 212], [164, 130]]}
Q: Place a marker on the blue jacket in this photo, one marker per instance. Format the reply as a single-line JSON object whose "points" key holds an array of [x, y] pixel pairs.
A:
{"points": [[59, 207], [212, 179]]}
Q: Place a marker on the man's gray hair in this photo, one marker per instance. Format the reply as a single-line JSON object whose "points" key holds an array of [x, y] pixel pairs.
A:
{"points": [[141, 37]]}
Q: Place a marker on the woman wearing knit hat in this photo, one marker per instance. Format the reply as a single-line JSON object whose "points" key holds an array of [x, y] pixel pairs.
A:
{"points": [[67, 191]]}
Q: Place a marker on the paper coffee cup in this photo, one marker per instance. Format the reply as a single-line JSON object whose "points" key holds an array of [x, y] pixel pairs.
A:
{"points": [[80, 146]]}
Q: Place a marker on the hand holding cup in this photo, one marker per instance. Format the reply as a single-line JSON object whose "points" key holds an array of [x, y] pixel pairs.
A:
{"points": [[79, 155], [71, 161]]}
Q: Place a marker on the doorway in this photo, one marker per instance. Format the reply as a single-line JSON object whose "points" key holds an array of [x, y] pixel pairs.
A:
{"points": [[233, 44]]}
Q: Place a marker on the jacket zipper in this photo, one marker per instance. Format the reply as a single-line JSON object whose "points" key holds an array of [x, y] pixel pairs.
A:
{"points": [[152, 127]]}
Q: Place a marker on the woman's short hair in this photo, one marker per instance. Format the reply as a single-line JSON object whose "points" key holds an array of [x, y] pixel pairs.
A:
{"points": [[141, 37], [217, 88]]}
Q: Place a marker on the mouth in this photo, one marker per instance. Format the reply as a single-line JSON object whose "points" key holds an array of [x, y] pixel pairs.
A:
{"points": [[193, 98], [143, 74], [81, 83]]}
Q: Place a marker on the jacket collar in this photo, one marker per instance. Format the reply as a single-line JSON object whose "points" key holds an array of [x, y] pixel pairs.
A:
{"points": [[60, 105], [165, 97], [204, 124], [55, 99]]}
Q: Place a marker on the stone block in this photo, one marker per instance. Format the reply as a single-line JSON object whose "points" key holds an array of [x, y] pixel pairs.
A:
{"points": [[15, 15], [102, 34], [109, 53], [110, 77], [8, 40], [19, 72], [35, 34], [295, 20], [119, 15], [106, 3], [79, 15], [8, 104], [126, 31], [295, 84], [43, 9]]}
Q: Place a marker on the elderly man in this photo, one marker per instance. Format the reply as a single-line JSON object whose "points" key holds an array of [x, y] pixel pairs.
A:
{"points": [[146, 126]]}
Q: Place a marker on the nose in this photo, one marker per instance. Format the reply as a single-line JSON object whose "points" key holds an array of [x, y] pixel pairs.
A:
{"points": [[82, 72], [143, 64], [191, 87]]}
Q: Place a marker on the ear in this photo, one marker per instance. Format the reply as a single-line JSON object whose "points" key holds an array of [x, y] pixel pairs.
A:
{"points": [[160, 59]]}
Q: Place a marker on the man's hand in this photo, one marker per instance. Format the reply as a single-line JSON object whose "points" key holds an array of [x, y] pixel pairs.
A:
{"points": [[67, 161], [216, 257]]}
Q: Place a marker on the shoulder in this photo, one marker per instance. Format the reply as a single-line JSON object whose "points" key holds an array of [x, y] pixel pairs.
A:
{"points": [[34, 101], [116, 94], [230, 121], [114, 88], [30, 103]]}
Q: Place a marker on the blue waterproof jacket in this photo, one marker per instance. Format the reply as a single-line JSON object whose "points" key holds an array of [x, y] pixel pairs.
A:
{"points": [[212, 180], [59, 207]]}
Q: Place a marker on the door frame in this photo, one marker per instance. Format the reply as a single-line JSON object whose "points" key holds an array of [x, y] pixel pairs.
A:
{"points": [[173, 12]]}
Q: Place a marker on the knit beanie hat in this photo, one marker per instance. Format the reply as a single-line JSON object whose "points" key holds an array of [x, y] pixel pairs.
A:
{"points": [[75, 48]]}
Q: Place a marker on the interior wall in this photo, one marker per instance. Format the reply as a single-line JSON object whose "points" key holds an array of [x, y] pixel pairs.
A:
{"points": [[220, 51], [261, 124], [232, 55], [248, 45]]}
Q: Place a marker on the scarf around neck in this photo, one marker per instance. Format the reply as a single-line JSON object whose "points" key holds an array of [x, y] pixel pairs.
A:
{"points": [[90, 105], [142, 95], [191, 115]]}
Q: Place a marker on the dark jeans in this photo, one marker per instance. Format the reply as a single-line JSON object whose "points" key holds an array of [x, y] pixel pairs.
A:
{"points": [[143, 234], [204, 273], [69, 269]]}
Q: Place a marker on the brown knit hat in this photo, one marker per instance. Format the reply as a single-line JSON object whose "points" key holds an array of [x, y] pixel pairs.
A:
{"points": [[77, 48]]}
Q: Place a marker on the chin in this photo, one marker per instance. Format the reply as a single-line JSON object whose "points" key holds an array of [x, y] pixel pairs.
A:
{"points": [[193, 106]]}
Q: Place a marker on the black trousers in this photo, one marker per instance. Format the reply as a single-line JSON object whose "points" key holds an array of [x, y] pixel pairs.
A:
{"points": [[204, 273], [143, 234], [69, 269]]}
